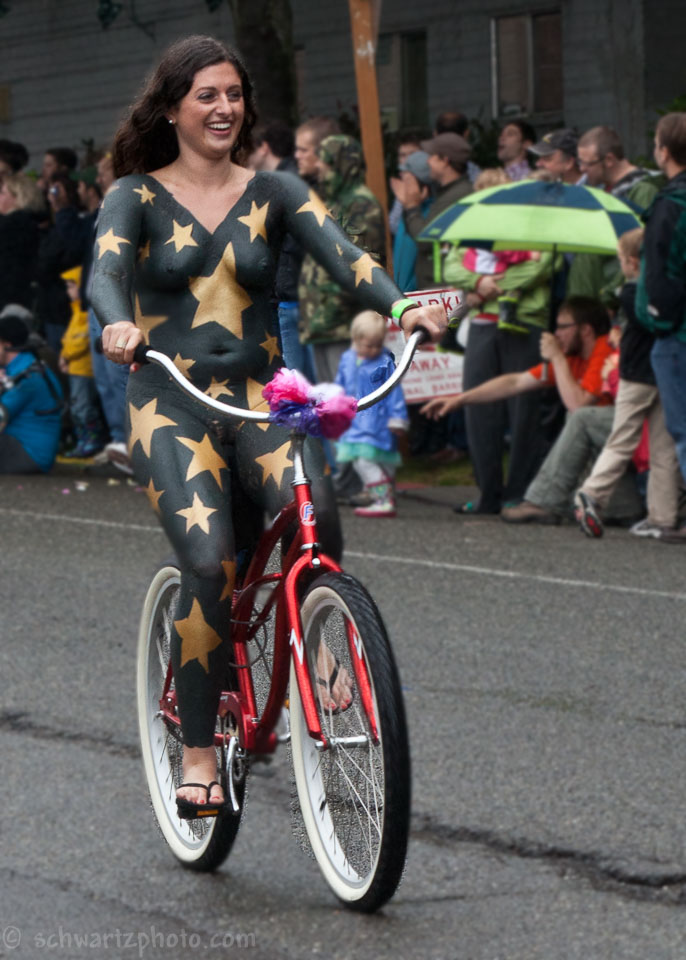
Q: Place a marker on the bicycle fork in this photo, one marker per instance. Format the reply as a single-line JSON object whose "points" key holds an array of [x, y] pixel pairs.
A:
{"points": [[312, 559]]}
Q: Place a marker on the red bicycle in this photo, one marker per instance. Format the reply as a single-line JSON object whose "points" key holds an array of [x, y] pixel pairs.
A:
{"points": [[352, 767]]}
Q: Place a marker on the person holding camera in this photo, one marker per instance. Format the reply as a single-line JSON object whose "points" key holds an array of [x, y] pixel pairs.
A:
{"points": [[30, 400]]}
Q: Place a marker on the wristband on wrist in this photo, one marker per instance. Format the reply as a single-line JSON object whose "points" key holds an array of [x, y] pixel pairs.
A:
{"points": [[400, 307]]}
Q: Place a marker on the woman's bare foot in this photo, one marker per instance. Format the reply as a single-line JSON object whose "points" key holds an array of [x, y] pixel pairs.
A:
{"points": [[200, 766], [341, 693]]}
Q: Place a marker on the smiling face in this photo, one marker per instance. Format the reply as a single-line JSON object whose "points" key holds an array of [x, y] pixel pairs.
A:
{"points": [[209, 118]]}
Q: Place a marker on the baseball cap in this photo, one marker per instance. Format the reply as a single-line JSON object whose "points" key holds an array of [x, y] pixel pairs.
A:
{"points": [[450, 145], [417, 163], [565, 140], [14, 324]]}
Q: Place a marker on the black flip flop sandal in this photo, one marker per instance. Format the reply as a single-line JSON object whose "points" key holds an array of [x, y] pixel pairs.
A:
{"points": [[328, 686], [192, 811]]}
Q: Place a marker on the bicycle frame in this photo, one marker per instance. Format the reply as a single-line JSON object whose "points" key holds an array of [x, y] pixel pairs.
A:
{"points": [[256, 734]]}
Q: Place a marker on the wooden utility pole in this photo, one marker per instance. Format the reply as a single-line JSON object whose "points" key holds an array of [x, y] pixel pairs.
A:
{"points": [[364, 22]]}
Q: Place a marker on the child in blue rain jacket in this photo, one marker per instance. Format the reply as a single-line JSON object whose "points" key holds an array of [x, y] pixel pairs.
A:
{"points": [[371, 443]]}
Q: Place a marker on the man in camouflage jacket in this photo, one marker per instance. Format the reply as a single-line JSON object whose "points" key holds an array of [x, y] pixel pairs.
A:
{"points": [[326, 311]]}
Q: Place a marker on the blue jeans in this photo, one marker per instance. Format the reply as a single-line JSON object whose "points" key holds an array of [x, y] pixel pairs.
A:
{"points": [[668, 358], [295, 355], [111, 380], [53, 333], [83, 402]]}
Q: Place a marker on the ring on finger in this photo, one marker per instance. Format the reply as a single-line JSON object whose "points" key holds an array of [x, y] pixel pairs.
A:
{"points": [[120, 344]]}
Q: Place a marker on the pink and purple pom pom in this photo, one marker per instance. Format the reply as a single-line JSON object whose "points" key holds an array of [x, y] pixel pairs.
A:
{"points": [[322, 410]]}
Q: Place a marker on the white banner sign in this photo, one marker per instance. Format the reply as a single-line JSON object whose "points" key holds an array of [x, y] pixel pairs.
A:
{"points": [[433, 373]]}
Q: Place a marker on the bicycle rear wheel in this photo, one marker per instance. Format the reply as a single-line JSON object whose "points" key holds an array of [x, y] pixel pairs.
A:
{"points": [[197, 844], [354, 796]]}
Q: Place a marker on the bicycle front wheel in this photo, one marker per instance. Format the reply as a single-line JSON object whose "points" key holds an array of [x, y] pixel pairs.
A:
{"points": [[355, 795], [198, 844]]}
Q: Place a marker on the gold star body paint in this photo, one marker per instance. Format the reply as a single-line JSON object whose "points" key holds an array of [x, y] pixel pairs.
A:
{"points": [[256, 221], [109, 243], [205, 457], [198, 639], [182, 237], [206, 300], [220, 297]]}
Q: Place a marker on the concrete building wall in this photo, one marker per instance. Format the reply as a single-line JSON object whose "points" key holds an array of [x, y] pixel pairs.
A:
{"points": [[603, 56], [603, 67], [70, 80], [664, 77]]}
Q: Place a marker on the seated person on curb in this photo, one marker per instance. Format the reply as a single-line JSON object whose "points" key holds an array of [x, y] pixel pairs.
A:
{"points": [[30, 400], [637, 404], [573, 360]]}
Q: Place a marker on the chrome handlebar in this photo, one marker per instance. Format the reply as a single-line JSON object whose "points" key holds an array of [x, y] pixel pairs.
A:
{"points": [[240, 413]]}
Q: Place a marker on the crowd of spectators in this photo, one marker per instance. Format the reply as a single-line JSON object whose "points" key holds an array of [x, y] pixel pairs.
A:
{"points": [[586, 410]]}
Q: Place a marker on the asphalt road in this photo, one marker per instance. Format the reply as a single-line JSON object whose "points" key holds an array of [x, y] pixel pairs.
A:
{"points": [[544, 680]]}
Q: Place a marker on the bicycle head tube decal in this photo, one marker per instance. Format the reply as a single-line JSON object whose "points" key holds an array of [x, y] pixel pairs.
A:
{"points": [[307, 513]]}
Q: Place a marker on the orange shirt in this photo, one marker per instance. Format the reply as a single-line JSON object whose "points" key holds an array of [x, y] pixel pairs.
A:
{"points": [[585, 370]]}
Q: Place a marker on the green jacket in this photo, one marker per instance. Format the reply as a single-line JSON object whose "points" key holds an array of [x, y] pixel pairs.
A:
{"points": [[593, 275], [326, 311], [661, 288], [531, 279]]}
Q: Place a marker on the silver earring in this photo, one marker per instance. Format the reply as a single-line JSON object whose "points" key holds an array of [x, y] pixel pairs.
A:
{"points": [[171, 121]]}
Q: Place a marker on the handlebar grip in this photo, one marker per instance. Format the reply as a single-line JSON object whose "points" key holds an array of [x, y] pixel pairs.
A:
{"points": [[139, 355], [424, 335]]}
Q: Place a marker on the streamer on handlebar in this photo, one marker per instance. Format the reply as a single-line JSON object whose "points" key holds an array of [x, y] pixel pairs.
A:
{"points": [[321, 410]]}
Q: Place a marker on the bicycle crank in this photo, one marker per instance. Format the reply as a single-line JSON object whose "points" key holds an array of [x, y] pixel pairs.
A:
{"points": [[235, 769]]}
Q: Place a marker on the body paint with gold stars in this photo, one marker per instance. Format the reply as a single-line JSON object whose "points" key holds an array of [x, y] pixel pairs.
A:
{"points": [[205, 298]]}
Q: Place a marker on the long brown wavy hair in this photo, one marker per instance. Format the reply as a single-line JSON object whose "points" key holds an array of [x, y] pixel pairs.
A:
{"points": [[145, 140]]}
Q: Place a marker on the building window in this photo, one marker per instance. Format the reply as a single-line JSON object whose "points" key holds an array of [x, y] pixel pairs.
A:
{"points": [[401, 75], [527, 65]]}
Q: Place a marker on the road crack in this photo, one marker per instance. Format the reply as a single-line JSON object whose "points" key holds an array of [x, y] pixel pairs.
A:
{"points": [[664, 887], [20, 722]]}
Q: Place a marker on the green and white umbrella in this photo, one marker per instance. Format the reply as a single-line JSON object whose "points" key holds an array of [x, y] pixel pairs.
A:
{"points": [[535, 215]]}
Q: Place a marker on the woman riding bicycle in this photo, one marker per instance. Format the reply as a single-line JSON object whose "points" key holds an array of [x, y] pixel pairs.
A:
{"points": [[187, 246]]}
